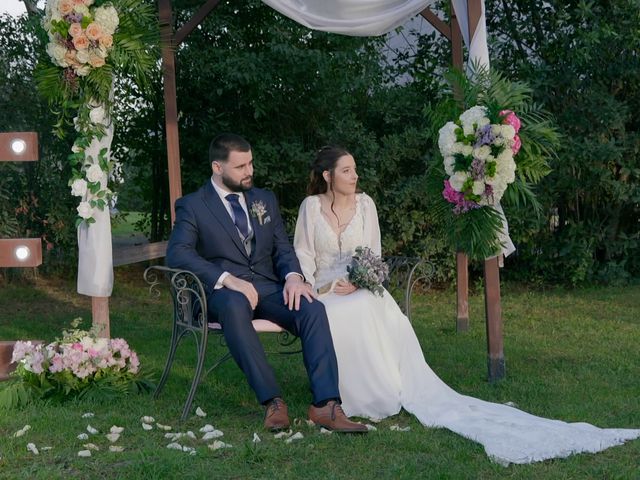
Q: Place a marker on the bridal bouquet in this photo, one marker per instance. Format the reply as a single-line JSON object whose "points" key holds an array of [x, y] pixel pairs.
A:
{"points": [[478, 156], [79, 364], [367, 270]]}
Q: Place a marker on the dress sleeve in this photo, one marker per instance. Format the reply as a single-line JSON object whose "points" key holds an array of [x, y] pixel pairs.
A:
{"points": [[303, 241], [371, 226]]}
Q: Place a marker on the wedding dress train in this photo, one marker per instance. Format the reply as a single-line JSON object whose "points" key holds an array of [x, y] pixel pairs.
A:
{"points": [[382, 368]]}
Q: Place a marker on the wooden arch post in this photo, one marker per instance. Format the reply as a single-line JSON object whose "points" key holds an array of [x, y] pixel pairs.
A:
{"points": [[493, 309]]}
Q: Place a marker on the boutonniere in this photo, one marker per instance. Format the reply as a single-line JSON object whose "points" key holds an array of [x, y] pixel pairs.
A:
{"points": [[259, 211]]}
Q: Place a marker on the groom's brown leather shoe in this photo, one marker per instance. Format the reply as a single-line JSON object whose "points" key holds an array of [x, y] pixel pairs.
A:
{"points": [[276, 416], [332, 417]]}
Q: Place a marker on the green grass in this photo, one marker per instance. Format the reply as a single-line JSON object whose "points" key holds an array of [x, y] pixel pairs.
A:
{"points": [[124, 224], [570, 354]]}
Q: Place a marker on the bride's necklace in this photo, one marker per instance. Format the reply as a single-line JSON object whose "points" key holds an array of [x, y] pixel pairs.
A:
{"points": [[345, 213]]}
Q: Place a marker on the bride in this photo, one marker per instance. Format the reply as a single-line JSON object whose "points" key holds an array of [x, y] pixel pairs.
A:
{"points": [[382, 368]]}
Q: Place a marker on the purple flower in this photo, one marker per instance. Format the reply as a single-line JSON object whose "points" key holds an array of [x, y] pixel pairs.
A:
{"points": [[484, 136]]}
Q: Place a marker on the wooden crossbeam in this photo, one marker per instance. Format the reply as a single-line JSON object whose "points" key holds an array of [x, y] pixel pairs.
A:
{"points": [[194, 21], [139, 253]]}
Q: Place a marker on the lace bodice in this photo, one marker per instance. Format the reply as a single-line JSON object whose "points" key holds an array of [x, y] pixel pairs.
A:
{"points": [[323, 254]]}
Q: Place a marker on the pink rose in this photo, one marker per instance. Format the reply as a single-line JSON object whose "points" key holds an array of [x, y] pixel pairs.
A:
{"points": [[81, 42], [75, 30], [94, 32], [106, 41], [511, 118], [516, 144], [65, 7], [96, 61]]}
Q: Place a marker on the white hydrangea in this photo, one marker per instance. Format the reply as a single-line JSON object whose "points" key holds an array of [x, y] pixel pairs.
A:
{"points": [[466, 150], [94, 173], [108, 19], [449, 163], [79, 187], [475, 115], [478, 187], [447, 138], [507, 131], [97, 115]]}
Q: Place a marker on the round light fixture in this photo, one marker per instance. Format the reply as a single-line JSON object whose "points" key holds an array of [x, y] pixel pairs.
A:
{"points": [[22, 252], [18, 146]]}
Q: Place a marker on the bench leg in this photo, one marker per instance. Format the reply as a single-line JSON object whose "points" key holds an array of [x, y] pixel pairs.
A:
{"points": [[202, 351], [176, 336]]}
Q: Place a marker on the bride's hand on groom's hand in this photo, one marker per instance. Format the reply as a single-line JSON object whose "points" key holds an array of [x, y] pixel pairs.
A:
{"points": [[344, 287], [294, 288], [244, 287]]}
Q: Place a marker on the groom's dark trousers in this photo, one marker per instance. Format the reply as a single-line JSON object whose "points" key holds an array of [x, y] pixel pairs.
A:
{"points": [[205, 241]]}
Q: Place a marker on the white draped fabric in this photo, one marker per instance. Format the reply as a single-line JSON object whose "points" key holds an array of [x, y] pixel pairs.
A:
{"points": [[95, 258]]}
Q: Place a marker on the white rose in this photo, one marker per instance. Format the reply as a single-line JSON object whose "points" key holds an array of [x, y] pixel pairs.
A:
{"points": [[474, 115], [505, 157], [76, 149], [97, 115], [478, 187], [467, 129], [82, 56], [57, 53], [482, 153], [79, 187], [449, 163], [94, 173], [108, 19], [457, 180], [83, 71], [85, 210], [83, 9]]}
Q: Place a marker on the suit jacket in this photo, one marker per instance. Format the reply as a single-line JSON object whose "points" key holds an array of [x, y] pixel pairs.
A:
{"points": [[205, 241]]}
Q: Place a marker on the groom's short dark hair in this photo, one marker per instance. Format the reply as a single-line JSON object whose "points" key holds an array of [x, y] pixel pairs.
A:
{"points": [[225, 143]]}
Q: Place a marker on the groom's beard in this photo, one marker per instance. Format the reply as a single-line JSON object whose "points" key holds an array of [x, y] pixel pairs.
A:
{"points": [[242, 186]]}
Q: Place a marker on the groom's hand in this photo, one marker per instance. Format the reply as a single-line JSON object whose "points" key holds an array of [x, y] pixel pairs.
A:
{"points": [[244, 287], [294, 288]]}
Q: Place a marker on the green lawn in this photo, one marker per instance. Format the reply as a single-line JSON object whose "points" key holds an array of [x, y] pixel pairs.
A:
{"points": [[571, 354]]}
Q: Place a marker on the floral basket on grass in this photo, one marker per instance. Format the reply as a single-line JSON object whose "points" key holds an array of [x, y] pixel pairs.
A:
{"points": [[78, 365], [495, 145]]}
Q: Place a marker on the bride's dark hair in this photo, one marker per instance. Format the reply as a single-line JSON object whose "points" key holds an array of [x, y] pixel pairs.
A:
{"points": [[326, 160]]}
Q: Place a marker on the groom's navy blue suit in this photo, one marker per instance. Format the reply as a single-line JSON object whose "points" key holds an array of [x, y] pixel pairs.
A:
{"points": [[206, 241]]}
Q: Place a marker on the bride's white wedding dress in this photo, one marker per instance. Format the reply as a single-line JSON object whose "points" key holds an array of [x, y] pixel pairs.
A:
{"points": [[382, 368]]}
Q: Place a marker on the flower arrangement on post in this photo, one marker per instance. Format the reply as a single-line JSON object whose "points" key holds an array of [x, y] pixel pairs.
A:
{"points": [[368, 271], [92, 44], [490, 154], [78, 365]]}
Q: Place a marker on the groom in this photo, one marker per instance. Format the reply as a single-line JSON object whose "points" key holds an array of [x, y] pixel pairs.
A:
{"points": [[231, 235]]}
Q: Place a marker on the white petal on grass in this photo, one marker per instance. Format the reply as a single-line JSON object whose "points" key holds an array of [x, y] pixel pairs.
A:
{"points": [[32, 448], [112, 437], [511, 404], [174, 446], [83, 436], [214, 434], [189, 450], [207, 428], [190, 434], [283, 434], [91, 446], [22, 431], [172, 436], [88, 415], [116, 448], [115, 429], [84, 453], [256, 438], [370, 427], [325, 431], [147, 419], [163, 427], [200, 412], [219, 444], [146, 426], [396, 428], [45, 448], [91, 430], [296, 436]]}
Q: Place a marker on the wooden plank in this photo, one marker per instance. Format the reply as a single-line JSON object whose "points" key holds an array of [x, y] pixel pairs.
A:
{"points": [[10, 256], [28, 142], [100, 316], [493, 311], [462, 287], [440, 25], [138, 253], [457, 57], [474, 10], [170, 103], [194, 21]]}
